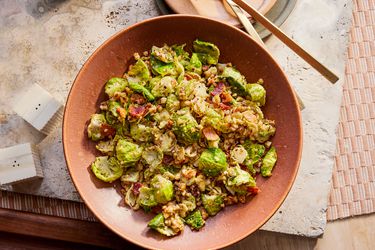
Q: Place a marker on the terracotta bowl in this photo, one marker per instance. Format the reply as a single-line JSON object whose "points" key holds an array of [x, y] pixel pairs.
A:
{"points": [[112, 59]]}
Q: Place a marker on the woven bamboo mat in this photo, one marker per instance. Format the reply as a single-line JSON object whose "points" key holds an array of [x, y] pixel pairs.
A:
{"points": [[353, 181]]}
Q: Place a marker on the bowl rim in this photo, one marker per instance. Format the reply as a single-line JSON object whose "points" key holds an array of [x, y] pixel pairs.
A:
{"points": [[134, 26]]}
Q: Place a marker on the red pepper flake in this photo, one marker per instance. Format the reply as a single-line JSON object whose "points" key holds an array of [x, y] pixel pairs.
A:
{"points": [[137, 98], [220, 87], [253, 190], [136, 188], [107, 130], [137, 111]]}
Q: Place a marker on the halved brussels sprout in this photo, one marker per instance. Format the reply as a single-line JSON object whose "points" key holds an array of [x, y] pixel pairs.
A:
{"points": [[208, 53], [268, 162], [212, 203], [131, 176], [163, 189], [128, 153], [94, 128], [164, 87], [162, 68], [238, 154], [266, 129], [140, 71], [106, 169], [236, 80], [157, 223], [166, 142], [153, 156], [212, 162], [146, 198], [185, 127], [185, 89], [141, 132], [172, 104], [114, 85], [257, 93], [106, 147], [195, 220]]}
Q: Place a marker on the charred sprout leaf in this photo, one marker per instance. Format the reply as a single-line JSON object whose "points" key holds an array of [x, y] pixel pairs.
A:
{"points": [[94, 128], [212, 203], [195, 220], [185, 127], [212, 161], [208, 53], [257, 93], [114, 85], [268, 162], [195, 64], [254, 150], [180, 52], [136, 87], [163, 189], [146, 198], [106, 169], [128, 153], [139, 71], [236, 80]]}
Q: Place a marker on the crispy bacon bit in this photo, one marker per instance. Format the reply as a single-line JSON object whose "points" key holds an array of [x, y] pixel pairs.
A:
{"points": [[205, 67], [210, 134], [224, 106], [121, 112], [226, 98], [107, 130], [220, 87], [137, 98], [253, 190], [188, 77], [157, 209], [137, 112], [168, 160], [136, 188]]}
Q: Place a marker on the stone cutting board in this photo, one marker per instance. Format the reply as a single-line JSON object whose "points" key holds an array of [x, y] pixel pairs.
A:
{"points": [[46, 42]]}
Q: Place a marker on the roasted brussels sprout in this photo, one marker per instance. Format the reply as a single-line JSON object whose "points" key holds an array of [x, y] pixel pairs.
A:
{"points": [[212, 161], [185, 127], [94, 129], [212, 203], [208, 53], [163, 189], [239, 180], [164, 54], [146, 198], [164, 87], [128, 153], [266, 129], [157, 223], [106, 169], [238, 154], [236, 80], [195, 220], [162, 68], [139, 71], [173, 104], [141, 132], [257, 93], [152, 156], [268, 162], [142, 90], [114, 85], [195, 64]]}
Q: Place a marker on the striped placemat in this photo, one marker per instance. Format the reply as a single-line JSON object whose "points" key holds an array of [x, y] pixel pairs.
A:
{"points": [[353, 180]]}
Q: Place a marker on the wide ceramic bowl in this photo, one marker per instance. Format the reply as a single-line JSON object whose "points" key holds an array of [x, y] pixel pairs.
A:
{"points": [[112, 59]]}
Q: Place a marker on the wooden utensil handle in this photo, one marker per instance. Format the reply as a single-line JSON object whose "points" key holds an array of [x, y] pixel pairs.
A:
{"points": [[288, 41]]}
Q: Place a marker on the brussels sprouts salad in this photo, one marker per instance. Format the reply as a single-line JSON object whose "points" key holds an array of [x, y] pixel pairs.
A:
{"points": [[184, 134]]}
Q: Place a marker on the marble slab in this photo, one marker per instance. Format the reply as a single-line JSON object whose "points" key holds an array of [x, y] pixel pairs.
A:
{"points": [[46, 42]]}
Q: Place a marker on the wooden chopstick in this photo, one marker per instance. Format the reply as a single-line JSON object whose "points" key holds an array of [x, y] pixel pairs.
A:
{"points": [[328, 74]]}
